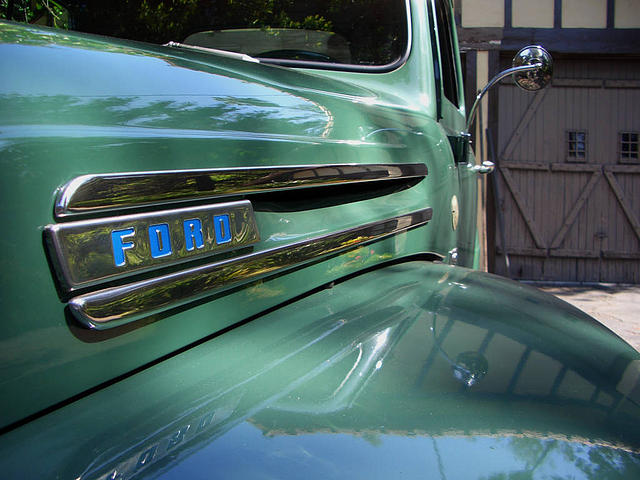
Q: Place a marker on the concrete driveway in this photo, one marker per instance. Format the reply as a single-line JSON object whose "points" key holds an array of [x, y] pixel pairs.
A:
{"points": [[617, 307]]}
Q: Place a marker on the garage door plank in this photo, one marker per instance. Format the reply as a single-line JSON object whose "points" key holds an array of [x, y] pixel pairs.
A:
{"points": [[575, 210], [633, 220], [531, 225]]}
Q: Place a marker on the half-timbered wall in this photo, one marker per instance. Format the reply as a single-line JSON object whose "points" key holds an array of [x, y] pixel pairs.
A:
{"points": [[568, 191], [565, 202]]}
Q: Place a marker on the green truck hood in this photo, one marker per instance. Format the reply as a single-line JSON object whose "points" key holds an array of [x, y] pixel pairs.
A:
{"points": [[81, 104], [445, 373]]}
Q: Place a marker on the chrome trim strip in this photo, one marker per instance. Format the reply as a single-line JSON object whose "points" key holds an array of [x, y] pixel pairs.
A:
{"points": [[88, 252], [116, 306], [114, 191], [216, 51]]}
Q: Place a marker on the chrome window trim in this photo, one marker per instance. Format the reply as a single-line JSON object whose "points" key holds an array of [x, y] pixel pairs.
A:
{"points": [[99, 193], [116, 306]]}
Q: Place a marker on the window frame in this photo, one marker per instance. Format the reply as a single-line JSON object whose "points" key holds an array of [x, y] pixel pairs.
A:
{"points": [[571, 155], [629, 159], [450, 76]]}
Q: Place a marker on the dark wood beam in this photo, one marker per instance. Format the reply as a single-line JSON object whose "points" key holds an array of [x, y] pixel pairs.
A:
{"points": [[508, 13], [611, 13], [557, 40], [557, 14]]}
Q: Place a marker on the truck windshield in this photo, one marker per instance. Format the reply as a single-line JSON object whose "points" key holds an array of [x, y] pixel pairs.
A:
{"points": [[328, 33], [351, 32]]}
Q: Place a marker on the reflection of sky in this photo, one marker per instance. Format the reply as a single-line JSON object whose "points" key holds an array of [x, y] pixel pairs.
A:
{"points": [[156, 93], [222, 111], [244, 452], [80, 72]]}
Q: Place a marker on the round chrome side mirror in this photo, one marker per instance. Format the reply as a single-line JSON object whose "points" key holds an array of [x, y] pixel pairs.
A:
{"points": [[534, 79], [532, 69], [470, 368]]}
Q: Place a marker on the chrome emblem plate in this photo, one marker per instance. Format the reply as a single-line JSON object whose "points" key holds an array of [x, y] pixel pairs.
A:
{"points": [[88, 252]]}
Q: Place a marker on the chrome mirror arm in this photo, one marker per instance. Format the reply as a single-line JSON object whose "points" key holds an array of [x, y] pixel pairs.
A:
{"points": [[494, 80]]}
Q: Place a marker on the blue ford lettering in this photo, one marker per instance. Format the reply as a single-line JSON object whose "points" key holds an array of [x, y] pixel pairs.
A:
{"points": [[160, 237], [193, 234], [159, 240], [119, 245], [222, 228]]}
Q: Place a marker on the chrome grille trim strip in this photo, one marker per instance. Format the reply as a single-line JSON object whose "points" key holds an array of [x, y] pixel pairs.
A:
{"points": [[115, 191], [116, 306]]}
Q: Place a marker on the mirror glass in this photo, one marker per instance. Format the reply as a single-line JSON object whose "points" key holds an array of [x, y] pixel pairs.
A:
{"points": [[534, 79]]}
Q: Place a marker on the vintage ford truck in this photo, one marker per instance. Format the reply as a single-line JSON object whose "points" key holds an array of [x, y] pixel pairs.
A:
{"points": [[253, 253]]}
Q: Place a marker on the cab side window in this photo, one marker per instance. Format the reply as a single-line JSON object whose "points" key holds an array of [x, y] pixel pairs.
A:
{"points": [[447, 54]]}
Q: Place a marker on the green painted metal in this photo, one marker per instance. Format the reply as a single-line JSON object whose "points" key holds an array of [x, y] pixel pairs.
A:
{"points": [[365, 382], [376, 362], [80, 104]]}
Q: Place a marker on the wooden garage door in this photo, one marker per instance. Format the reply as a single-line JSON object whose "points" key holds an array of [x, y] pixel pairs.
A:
{"points": [[569, 175]]}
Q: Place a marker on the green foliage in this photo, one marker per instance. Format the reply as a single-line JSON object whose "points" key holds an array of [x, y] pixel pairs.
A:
{"points": [[313, 22], [42, 12], [165, 19]]}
